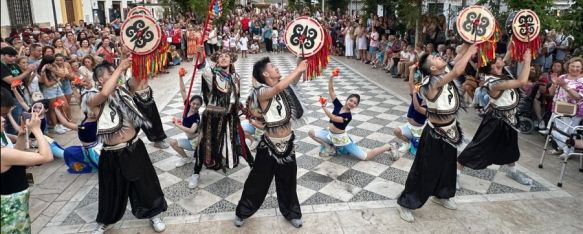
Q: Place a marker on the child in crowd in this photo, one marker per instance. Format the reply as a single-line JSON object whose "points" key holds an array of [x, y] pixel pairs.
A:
{"points": [[176, 59], [275, 39], [243, 45], [226, 42], [254, 48], [233, 43]]}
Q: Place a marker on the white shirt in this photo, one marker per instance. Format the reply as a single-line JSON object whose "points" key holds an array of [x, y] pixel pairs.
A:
{"points": [[232, 42], [243, 43]]}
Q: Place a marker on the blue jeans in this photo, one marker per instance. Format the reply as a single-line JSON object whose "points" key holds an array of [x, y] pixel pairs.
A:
{"points": [[481, 97], [350, 149]]}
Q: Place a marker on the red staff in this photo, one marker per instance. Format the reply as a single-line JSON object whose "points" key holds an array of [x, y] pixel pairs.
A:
{"points": [[204, 32]]}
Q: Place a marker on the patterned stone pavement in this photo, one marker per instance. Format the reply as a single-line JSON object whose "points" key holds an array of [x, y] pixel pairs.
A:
{"points": [[324, 184]]}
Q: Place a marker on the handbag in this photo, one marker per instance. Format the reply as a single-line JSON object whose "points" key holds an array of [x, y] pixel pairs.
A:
{"points": [[565, 108]]}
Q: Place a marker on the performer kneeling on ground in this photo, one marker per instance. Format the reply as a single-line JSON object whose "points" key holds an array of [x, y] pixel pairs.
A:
{"points": [[275, 153], [496, 141], [125, 168], [335, 139], [433, 172], [223, 140], [188, 125], [416, 117]]}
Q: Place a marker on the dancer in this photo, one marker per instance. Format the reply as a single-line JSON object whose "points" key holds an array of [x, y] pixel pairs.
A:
{"points": [[189, 125], [223, 140], [144, 99], [497, 127], [335, 139], [434, 168], [416, 117], [125, 169], [84, 158], [275, 153]]}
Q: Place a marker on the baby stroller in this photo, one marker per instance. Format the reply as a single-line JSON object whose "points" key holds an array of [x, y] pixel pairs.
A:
{"points": [[524, 113]]}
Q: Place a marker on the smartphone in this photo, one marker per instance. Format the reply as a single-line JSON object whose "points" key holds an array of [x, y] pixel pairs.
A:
{"points": [[26, 116]]}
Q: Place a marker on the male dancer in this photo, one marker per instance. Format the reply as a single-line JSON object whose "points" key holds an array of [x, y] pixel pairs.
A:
{"points": [[434, 168], [496, 141], [275, 153], [223, 140], [125, 169], [144, 99]]}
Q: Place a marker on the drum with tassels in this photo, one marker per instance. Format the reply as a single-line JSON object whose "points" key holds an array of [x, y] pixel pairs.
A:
{"points": [[142, 36], [306, 38], [477, 25], [525, 34]]}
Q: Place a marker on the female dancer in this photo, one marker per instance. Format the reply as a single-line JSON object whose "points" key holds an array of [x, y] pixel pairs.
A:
{"points": [[496, 141], [335, 139]]}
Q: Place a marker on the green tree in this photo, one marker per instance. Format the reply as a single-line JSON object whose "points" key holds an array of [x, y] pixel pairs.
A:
{"points": [[335, 4], [572, 22]]}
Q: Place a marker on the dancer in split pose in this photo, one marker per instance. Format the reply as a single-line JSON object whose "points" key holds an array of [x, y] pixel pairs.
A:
{"points": [[416, 117], [433, 172], [223, 140], [335, 140], [189, 125], [125, 169], [496, 141], [275, 154]]}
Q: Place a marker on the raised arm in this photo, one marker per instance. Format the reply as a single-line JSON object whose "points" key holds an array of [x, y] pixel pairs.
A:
{"points": [[459, 67], [334, 118], [110, 85], [15, 157], [65, 121], [331, 87], [9, 79], [20, 100], [282, 84], [13, 121], [182, 88], [522, 77]]}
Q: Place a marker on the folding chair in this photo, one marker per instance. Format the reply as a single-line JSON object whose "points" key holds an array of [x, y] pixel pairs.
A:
{"points": [[571, 134]]}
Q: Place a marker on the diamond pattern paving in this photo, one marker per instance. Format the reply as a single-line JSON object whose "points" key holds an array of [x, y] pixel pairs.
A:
{"points": [[321, 180]]}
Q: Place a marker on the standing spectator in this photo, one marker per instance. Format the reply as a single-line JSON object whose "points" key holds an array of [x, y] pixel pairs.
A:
{"points": [[373, 45], [45, 39], [267, 38], [10, 72], [36, 53], [348, 32], [212, 41], [361, 37], [243, 44], [548, 49], [60, 47], [51, 88], [63, 72], [106, 51], [176, 35], [84, 50], [562, 42], [275, 39], [70, 43], [193, 37]]}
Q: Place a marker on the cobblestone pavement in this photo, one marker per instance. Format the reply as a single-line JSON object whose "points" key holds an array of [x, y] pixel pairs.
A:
{"points": [[337, 187]]}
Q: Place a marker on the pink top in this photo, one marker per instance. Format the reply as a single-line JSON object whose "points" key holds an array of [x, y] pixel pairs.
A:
{"points": [[576, 85], [374, 39]]}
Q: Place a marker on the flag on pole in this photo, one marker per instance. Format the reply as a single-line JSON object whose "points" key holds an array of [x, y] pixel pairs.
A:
{"points": [[218, 8]]}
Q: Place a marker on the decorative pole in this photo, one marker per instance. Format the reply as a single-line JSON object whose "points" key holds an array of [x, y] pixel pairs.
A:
{"points": [[204, 33]]}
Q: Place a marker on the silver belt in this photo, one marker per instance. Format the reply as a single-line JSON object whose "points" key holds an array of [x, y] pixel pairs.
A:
{"points": [[120, 145]]}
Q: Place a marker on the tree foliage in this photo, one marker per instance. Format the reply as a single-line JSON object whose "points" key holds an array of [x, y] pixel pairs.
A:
{"points": [[335, 4], [541, 7], [572, 22]]}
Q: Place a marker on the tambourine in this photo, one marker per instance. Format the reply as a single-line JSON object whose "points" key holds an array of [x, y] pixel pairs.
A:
{"points": [[508, 24], [525, 25], [475, 24], [140, 10], [304, 36], [140, 34]]}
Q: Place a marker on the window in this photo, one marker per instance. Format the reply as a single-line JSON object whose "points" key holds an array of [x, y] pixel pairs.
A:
{"points": [[20, 14]]}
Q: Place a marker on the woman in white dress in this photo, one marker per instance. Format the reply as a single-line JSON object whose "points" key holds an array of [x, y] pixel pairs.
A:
{"points": [[362, 46], [348, 40]]}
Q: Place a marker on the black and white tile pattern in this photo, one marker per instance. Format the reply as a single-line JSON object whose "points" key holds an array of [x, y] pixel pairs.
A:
{"points": [[321, 180]]}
